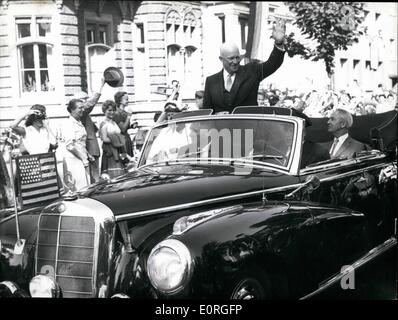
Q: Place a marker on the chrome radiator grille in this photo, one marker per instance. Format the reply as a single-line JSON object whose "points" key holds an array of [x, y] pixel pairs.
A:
{"points": [[65, 250]]}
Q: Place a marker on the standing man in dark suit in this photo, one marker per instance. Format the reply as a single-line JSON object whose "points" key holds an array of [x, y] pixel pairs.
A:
{"points": [[91, 142], [343, 145], [237, 85]]}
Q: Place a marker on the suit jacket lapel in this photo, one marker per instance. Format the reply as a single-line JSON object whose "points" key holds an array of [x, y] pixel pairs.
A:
{"points": [[219, 88], [240, 77], [343, 147]]}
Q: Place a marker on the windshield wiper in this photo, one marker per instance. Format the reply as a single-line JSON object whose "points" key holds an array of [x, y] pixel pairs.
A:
{"points": [[147, 169], [263, 156], [257, 156]]}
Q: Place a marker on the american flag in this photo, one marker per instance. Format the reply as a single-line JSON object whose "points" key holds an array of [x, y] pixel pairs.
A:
{"points": [[37, 179]]}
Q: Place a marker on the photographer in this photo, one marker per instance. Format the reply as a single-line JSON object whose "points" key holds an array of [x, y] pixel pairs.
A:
{"points": [[37, 136]]}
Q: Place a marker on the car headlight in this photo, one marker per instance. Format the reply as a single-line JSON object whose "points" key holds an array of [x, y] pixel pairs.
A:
{"points": [[43, 286], [169, 266]]}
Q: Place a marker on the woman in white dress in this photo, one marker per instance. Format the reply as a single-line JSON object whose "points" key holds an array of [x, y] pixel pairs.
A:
{"points": [[76, 159], [37, 136], [113, 145]]}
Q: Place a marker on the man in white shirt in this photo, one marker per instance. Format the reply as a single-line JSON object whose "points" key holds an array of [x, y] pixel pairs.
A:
{"points": [[343, 146]]}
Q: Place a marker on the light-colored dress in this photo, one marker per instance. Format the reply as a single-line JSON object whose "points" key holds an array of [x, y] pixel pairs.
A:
{"points": [[110, 162], [37, 141], [74, 170]]}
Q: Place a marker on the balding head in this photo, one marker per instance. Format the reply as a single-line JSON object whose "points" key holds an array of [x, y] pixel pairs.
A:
{"points": [[339, 122], [230, 56], [229, 49], [345, 116]]}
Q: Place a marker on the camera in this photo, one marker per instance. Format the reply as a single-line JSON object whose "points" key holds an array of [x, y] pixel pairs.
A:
{"points": [[39, 115]]}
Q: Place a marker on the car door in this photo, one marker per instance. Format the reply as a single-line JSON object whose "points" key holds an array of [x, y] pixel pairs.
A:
{"points": [[298, 239], [357, 186], [345, 238]]}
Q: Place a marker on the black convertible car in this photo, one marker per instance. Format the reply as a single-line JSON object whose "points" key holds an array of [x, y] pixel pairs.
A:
{"points": [[219, 206]]}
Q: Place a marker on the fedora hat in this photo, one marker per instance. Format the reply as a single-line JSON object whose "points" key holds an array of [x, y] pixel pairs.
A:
{"points": [[113, 77]]}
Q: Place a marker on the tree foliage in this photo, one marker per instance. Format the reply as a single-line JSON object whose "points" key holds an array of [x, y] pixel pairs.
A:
{"points": [[333, 26]]}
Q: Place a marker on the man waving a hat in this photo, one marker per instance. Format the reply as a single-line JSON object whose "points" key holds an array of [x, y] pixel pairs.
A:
{"points": [[92, 142]]}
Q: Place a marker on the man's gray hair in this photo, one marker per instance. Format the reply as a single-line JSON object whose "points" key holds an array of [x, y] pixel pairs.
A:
{"points": [[346, 116]]}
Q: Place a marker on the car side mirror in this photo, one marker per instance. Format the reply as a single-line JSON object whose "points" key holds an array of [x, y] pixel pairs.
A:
{"points": [[311, 183]]}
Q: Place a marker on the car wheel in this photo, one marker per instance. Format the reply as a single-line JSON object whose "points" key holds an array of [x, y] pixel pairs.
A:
{"points": [[251, 288]]}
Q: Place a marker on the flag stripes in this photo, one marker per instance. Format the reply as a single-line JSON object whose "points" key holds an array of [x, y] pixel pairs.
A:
{"points": [[42, 199], [39, 191], [37, 178]]}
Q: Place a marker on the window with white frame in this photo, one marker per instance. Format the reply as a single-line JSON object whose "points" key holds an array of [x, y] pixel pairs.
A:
{"points": [[98, 60], [35, 51], [175, 62], [99, 52], [191, 67], [97, 33]]}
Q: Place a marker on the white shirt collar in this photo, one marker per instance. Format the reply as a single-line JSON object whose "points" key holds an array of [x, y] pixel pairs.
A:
{"points": [[226, 74], [340, 141], [75, 121], [342, 138]]}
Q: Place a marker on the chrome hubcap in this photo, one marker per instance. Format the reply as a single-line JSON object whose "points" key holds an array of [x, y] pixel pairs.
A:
{"points": [[248, 289]]}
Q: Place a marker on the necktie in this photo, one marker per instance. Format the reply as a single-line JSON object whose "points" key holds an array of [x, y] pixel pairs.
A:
{"points": [[332, 149], [228, 85]]}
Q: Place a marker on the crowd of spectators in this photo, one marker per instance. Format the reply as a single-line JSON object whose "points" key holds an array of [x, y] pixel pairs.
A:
{"points": [[317, 104], [78, 137]]}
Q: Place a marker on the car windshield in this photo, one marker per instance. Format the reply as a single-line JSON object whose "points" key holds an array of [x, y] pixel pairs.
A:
{"points": [[256, 141]]}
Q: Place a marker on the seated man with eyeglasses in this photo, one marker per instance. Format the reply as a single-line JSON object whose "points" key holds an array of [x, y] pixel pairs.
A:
{"points": [[237, 85]]}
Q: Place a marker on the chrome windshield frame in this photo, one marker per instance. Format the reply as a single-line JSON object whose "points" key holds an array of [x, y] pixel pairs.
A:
{"points": [[292, 167]]}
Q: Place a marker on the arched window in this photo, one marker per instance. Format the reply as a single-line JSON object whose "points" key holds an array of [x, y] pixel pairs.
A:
{"points": [[173, 22], [175, 62], [191, 63], [99, 51], [189, 27], [35, 53], [183, 63]]}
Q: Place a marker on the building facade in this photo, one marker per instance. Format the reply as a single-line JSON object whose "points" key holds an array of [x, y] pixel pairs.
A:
{"points": [[373, 60], [50, 49], [55, 48]]}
